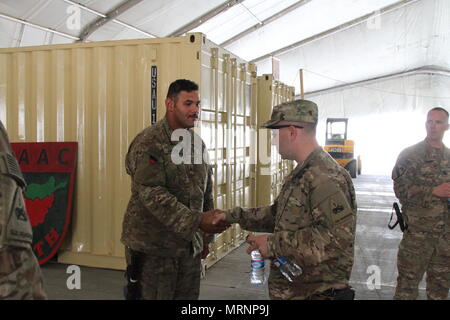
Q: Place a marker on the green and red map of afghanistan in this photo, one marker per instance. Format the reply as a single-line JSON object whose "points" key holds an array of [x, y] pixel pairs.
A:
{"points": [[49, 170]]}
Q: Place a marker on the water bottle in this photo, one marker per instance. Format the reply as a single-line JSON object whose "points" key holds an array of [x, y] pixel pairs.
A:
{"points": [[289, 269], [257, 275]]}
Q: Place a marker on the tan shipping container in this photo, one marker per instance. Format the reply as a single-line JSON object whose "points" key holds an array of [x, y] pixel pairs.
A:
{"points": [[100, 95], [271, 170]]}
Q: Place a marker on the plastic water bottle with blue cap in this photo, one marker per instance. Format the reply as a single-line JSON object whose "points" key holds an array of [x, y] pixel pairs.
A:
{"points": [[289, 269], [257, 275]]}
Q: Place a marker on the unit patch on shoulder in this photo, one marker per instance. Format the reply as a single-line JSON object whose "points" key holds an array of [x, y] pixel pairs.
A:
{"points": [[339, 207], [21, 215], [398, 171]]}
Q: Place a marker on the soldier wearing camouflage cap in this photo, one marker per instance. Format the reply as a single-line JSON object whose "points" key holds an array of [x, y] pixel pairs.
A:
{"points": [[169, 215], [312, 221], [20, 274], [422, 184], [301, 111]]}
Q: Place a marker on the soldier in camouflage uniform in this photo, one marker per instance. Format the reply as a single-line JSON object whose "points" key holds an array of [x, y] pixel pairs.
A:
{"points": [[165, 216], [20, 274], [422, 184], [312, 222]]}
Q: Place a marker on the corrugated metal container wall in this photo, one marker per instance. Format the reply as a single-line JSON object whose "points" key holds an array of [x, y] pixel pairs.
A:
{"points": [[283, 93], [232, 86], [99, 94], [271, 169]]}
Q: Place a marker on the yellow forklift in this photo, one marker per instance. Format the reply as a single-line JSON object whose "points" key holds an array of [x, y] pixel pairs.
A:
{"points": [[341, 149]]}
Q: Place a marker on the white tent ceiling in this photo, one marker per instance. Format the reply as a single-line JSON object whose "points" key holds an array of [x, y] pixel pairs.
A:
{"points": [[335, 42], [381, 63]]}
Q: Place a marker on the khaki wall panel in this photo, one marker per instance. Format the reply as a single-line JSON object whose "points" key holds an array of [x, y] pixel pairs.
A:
{"points": [[271, 169]]}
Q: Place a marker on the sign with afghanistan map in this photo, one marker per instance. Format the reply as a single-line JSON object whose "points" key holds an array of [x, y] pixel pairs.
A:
{"points": [[49, 170]]}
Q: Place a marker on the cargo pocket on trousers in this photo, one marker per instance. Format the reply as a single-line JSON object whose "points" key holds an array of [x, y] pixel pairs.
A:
{"points": [[159, 278]]}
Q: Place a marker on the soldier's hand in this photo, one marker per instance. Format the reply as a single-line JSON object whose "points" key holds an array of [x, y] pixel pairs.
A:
{"points": [[258, 243], [442, 191], [211, 223], [219, 218]]}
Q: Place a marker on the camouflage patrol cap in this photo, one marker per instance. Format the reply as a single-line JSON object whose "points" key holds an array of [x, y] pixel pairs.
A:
{"points": [[295, 111]]}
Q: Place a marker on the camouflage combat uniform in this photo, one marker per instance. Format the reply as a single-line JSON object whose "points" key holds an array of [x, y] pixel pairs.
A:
{"points": [[313, 222], [164, 213], [20, 274], [425, 246]]}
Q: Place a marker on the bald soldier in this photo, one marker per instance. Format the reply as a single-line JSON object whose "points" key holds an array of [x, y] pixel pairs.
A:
{"points": [[312, 222], [422, 184], [20, 274], [169, 216]]}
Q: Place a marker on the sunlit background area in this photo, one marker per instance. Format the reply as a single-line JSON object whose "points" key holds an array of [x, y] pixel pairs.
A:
{"points": [[380, 138]]}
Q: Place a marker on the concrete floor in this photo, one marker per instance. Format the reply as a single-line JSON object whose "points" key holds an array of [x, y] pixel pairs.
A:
{"points": [[375, 249]]}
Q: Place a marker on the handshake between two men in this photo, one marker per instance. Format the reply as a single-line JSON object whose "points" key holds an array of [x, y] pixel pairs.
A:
{"points": [[214, 221]]}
